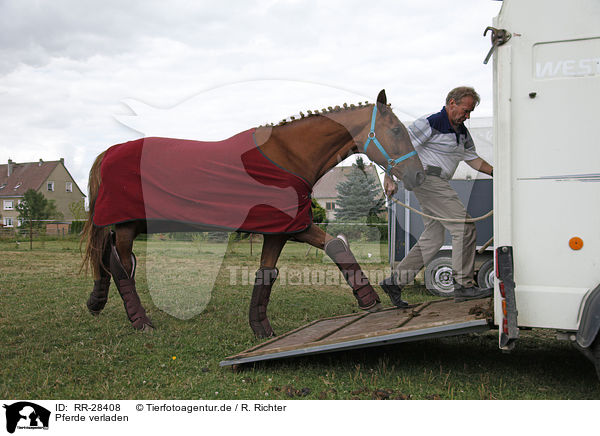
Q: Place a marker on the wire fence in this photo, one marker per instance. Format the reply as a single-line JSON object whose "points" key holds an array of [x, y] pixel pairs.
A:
{"points": [[41, 228], [63, 229]]}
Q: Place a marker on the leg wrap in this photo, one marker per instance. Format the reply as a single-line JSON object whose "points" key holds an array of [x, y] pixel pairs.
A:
{"points": [[126, 286], [99, 295], [265, 277], [340, 253]]}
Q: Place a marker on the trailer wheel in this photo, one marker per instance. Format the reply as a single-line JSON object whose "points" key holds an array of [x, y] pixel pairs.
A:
{"points": [[438, 277], [485, 275]]}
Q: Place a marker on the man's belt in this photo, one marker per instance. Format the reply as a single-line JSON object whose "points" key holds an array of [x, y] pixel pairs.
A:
{"points": [[433, 171]]}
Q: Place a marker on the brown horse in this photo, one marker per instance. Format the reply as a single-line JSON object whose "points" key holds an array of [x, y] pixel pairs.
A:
{"points": [[307, 147]]}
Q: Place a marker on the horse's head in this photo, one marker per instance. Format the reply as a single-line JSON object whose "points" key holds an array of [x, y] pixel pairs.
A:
{"points": [[389, 145]]}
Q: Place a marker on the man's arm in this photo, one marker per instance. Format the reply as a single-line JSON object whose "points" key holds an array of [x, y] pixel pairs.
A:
{"points": [[480, 165]]}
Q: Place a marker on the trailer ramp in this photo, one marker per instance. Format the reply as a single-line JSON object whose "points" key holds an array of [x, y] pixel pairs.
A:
{"points": [[432, 319]]}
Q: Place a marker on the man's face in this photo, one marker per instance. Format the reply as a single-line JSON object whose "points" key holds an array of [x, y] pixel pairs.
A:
{"points": [[461, 111]]}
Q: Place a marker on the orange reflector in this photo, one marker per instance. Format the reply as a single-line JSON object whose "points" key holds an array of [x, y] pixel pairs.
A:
{"points": [[504, 307], [576, 243]]}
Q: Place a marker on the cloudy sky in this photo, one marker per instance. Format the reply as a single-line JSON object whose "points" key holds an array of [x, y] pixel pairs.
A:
{"points": [[72, 72]]}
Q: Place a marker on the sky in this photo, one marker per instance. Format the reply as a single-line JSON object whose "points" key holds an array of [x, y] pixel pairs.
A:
{"points": [[79, 76]]}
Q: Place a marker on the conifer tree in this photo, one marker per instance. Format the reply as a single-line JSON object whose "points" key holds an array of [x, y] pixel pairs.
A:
{"points": [[359, 196]]}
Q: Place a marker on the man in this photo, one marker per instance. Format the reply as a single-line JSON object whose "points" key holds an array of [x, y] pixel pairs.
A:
{"points": [[442, 141]]}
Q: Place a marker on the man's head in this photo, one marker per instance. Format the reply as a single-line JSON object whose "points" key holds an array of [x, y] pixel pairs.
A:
{"points": [[460, 102]]}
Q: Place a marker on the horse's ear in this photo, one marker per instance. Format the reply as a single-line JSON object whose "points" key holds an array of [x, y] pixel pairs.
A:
{"points": [[381, 98]]}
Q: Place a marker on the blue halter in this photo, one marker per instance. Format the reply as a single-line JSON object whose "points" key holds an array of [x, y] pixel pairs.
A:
{"points": [[371, 137]]}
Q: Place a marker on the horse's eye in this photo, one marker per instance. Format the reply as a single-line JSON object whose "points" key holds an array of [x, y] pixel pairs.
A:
{"points": [[396, 130]]}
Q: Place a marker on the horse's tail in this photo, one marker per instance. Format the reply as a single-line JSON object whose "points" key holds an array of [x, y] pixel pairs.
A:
{"points": [[94, 237]]}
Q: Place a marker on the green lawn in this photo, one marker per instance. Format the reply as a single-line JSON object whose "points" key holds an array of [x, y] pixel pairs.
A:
{"points": [[52, 348]]}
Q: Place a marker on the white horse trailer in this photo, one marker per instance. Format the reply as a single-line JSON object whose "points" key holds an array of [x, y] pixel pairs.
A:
{"points": [[546, 176]]}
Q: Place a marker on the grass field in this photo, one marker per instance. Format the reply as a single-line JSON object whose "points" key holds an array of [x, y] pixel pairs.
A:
{"points": [[52, 348]]}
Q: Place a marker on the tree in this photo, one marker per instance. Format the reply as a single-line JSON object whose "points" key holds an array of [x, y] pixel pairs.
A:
{"points": [[79, 215], [77, 209], [33, 208], [319, 214], [359, 196]]}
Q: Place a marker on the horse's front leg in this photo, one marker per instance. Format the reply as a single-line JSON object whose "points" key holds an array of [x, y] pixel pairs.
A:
{"points": [[99, 295], [265, 277], [339, 251], [122, 268]]}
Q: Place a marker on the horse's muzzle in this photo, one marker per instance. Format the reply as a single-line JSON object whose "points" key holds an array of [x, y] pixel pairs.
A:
{"points": [[413, 179]]}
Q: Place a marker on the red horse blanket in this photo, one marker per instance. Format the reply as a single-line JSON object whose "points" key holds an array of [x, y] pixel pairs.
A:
{"points": [[181, 184]]}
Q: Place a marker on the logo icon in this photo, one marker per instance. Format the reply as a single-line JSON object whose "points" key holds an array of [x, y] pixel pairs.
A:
{"points": [[26, 415]]}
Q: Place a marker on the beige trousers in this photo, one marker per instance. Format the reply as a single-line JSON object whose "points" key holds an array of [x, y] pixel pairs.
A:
{"points": [[437, 198]]}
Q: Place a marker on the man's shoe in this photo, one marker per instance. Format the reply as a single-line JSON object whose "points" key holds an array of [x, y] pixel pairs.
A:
{"points": [[394, 292], [471, 293]]}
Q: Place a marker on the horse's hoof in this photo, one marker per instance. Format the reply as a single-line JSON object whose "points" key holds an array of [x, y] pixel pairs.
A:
{"points": [[147, 329], [95, 307], [262, 329], [143, 325], [375, 308], [264, 335], [260, 332], [144, 328]]}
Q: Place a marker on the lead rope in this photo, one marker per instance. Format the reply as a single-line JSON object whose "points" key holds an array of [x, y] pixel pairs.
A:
{"points": [[447, 220], [452, 220]]}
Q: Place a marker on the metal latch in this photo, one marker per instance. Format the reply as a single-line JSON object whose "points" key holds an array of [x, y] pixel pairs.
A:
{"points": [[499, 37]]}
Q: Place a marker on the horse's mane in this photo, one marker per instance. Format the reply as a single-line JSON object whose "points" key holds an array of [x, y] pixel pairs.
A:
{"points": [[311, 113]]}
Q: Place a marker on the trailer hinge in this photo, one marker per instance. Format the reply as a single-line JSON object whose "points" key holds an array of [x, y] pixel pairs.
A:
{"points": [[499, 37], [509, 331]]}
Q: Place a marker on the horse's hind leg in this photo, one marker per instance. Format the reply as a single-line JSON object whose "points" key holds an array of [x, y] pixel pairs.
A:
{"points": [[99, 295], [339, 251], [265, 277], [122, 268]]}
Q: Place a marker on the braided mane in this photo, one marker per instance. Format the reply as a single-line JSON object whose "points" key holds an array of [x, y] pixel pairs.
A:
{"points": [[311, 113]]}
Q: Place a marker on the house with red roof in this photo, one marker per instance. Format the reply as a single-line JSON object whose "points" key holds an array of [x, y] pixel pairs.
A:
{"points": [[51, 178]]}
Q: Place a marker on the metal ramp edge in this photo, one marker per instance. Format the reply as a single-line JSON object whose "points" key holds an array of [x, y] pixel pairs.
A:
{"points": [[394, 338]]}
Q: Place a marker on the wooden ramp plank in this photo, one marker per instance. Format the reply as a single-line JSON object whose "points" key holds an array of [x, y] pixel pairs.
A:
{"points": [[313, 332], [431, 319]]}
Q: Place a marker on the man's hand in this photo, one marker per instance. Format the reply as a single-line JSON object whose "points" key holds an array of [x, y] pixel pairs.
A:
{"points": [[389, 186]]}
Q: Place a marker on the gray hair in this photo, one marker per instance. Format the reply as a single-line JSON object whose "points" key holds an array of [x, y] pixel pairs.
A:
{"points": [[457, 94]]}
